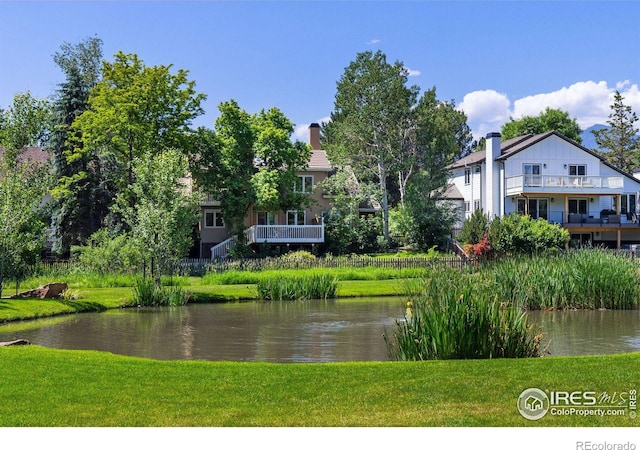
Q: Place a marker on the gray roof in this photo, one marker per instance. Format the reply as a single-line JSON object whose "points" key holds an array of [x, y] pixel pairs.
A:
{"points": [[512, 146], [452, 193]]}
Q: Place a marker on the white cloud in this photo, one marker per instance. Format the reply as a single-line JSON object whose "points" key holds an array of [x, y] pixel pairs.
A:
{"points": [[586, 101], [411, 72], [374, 41], [486, 111]]}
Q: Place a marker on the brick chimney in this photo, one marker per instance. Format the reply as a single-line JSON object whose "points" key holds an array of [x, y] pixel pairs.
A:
{"points": [[314, 136]]}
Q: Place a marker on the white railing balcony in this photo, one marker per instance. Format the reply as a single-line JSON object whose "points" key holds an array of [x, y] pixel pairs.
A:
{"points": [[210, 200], [562, 183], [286, 234]]}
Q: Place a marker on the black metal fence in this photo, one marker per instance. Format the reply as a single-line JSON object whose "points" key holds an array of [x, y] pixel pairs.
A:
{"points": [[199, 267]]}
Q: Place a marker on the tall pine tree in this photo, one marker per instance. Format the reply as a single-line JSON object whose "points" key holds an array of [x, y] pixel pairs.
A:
{"points": [[620, 143], [81, 196]]}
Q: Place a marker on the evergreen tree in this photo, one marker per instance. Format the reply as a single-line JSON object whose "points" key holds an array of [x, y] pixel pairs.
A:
{"points": [[81, 199], [81, 196], [620, 143]]}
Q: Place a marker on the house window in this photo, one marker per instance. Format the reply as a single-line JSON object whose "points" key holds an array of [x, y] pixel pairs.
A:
{"points": [[213, 218], [476, 205], [266, 218], [578, 206], [467, 176], [467, 206], [628, 204], [304, 184], [532, 175], [537, 208], [577, 170], [295, 217]]}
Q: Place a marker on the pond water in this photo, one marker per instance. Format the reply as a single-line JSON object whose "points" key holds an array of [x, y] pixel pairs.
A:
{"points": [[311, 331]]}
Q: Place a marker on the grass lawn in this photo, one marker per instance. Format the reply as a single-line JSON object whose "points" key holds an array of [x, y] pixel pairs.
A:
{"points": [[44, 387], [99, 299]]}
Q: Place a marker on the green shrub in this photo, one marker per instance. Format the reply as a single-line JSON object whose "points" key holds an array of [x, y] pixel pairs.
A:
{"points": [[300, 255], [474, 228], [518, 234], [107, 252]]}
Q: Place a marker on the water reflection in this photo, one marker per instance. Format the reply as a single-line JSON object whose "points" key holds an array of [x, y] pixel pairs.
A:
{"points": [[312, 331], [589, 332]]}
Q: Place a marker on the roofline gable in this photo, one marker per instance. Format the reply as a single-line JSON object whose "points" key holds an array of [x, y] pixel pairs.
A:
{"points": [[540, 137]]}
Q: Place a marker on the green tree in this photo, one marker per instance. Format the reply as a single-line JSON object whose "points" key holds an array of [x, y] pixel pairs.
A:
{"points": [[345, 230], [165, 213], [22, 218], [27, 122], [439, 136], [620, 143], [137, 110], [475, 227], [23, 185], [369, 124], [386, 135], [278, 161], [549, 120], [252, 160], [81, 197]]}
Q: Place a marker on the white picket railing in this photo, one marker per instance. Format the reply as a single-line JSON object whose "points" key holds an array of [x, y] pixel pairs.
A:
{"points": [[272, 234]]}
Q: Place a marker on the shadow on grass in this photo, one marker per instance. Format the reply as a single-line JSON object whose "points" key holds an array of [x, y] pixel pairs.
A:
{"points": [[83, 306], [5, 305]]}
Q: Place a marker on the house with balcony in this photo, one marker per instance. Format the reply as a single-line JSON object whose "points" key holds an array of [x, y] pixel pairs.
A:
{"points": [[292, 229], [549, 176]]}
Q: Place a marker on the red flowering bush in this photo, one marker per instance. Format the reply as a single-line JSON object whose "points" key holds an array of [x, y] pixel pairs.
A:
{"points": [[482, 248]]}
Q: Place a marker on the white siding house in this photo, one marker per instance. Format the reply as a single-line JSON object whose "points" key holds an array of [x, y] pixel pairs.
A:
{"points": [[552, 177]]}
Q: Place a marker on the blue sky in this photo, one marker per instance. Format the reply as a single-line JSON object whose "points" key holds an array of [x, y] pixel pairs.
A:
{"points": [[494, 59]]}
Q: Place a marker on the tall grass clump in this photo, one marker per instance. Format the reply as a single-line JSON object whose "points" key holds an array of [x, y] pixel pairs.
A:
{"points": [[343, 274], [147, 293], [298, 288], [461, 321], [586, 279]]}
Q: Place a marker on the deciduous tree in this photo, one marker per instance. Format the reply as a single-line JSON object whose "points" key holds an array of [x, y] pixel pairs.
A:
{"points": [[23, 185], [250, 160], [549, 120], [369, 125], [137, 110], [165, 213], [385, 134]]}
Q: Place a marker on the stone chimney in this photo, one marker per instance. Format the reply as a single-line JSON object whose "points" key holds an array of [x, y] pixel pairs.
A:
{"points": [[493, 188], [314, 136]]}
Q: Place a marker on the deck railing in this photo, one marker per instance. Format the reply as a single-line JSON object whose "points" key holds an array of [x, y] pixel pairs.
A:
{"points": [[286, 234], [551, 182]]}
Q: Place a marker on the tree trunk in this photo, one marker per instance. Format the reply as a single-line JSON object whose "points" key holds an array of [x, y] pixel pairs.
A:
{"points": [[382, 173]]}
